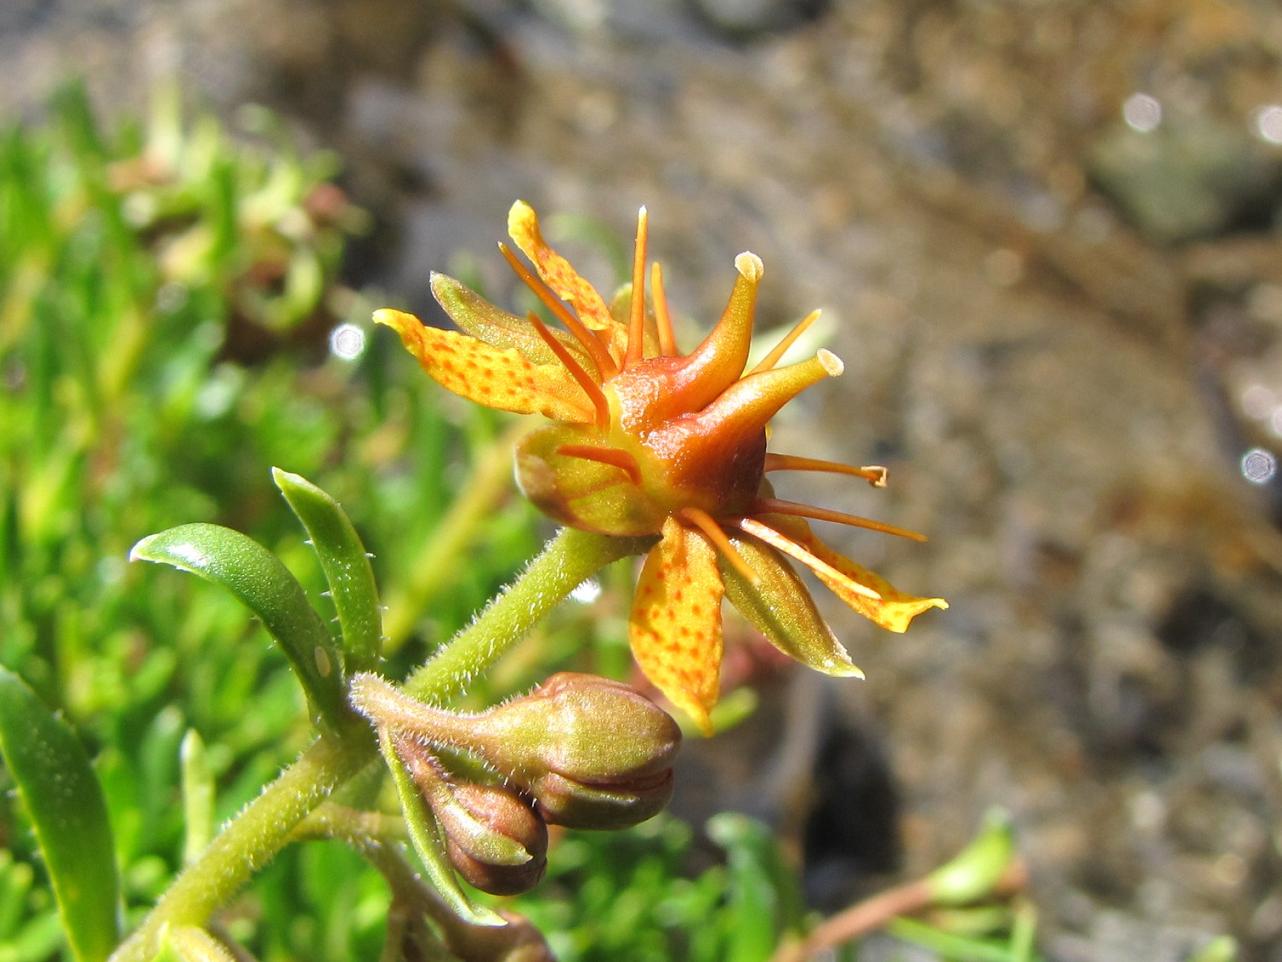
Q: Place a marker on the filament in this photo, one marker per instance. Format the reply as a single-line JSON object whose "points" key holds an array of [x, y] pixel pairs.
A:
{"points": [[662, 317], [776, 506], [636, 325], [615, 457], [605, 364], [778, 351], [808, 558], [874, 474], [584, 379], [708, 525]]}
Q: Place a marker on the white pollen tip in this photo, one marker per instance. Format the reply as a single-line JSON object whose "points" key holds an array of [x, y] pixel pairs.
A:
{"points": [[830, 362], [749, 265]]}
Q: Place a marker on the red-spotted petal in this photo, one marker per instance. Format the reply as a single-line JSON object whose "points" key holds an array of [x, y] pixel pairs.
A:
{"points": [[556, 271], [498, 378], [496, 327], [675, 627], [865, 591]]}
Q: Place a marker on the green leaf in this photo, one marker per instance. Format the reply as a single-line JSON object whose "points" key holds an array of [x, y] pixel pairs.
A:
{"points": [[65, 803], [345, 563], [763, 901], [427, 842], [197, 795], [259, 579], [973, 872]]}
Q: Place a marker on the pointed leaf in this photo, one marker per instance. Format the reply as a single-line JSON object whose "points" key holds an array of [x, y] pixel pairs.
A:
{"points": [[427, 842], [973, 872], [259, 579], [197, 796], [65, 803], [345, 563], [780, 607]]}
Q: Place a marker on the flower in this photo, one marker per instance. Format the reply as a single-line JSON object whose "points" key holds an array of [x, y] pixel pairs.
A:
{"points": [[651, 441]]}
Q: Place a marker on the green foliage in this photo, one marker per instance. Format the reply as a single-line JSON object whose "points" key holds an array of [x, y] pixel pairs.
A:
{"points": [[160, 347], [64, 801], [631, 895], [345, 563], [257, 577]]}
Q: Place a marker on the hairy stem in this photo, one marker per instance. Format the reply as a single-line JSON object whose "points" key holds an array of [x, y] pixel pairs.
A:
{"points": [[566, 562], [268, 823], [250, 840]]}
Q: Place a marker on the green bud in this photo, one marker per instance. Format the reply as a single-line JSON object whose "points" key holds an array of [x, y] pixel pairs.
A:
{"points": [[493, 838], [594, 753], [587, 728]]}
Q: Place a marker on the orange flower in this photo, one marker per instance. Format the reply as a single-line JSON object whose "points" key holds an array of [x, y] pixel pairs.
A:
{"points": [[650, 441]]}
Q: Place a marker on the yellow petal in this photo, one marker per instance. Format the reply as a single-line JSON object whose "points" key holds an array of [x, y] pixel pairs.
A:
{"points": [[476, 316], [781, 609], [502, 379], [675, 627], [556, 271], [865, 591]]}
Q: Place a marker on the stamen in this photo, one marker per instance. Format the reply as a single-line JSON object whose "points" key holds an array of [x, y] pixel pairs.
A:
{"points": [[605, 364], [584, 379], [708, 525], [636, 325], [615, 457], [874, 474], [793, 550], [780, 349], [662, 317], [776, 506]]}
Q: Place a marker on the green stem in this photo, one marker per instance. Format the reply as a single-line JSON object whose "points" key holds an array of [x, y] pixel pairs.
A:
{"points": [[566, 562], [268, 823], [251, 839]]}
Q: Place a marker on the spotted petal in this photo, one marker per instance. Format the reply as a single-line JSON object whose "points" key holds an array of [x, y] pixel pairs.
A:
{"points": [[498, 378], [675, 627], [496, 327], [865, 591], [556, 271], [781, 608]]}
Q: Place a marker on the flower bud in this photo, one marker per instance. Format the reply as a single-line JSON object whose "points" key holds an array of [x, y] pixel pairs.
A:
{"points": [[495, 841], [563, 801], [594, 753]]}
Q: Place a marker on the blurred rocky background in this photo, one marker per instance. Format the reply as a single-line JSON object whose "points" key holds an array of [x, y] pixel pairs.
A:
{"points": [[1048, 236]]}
